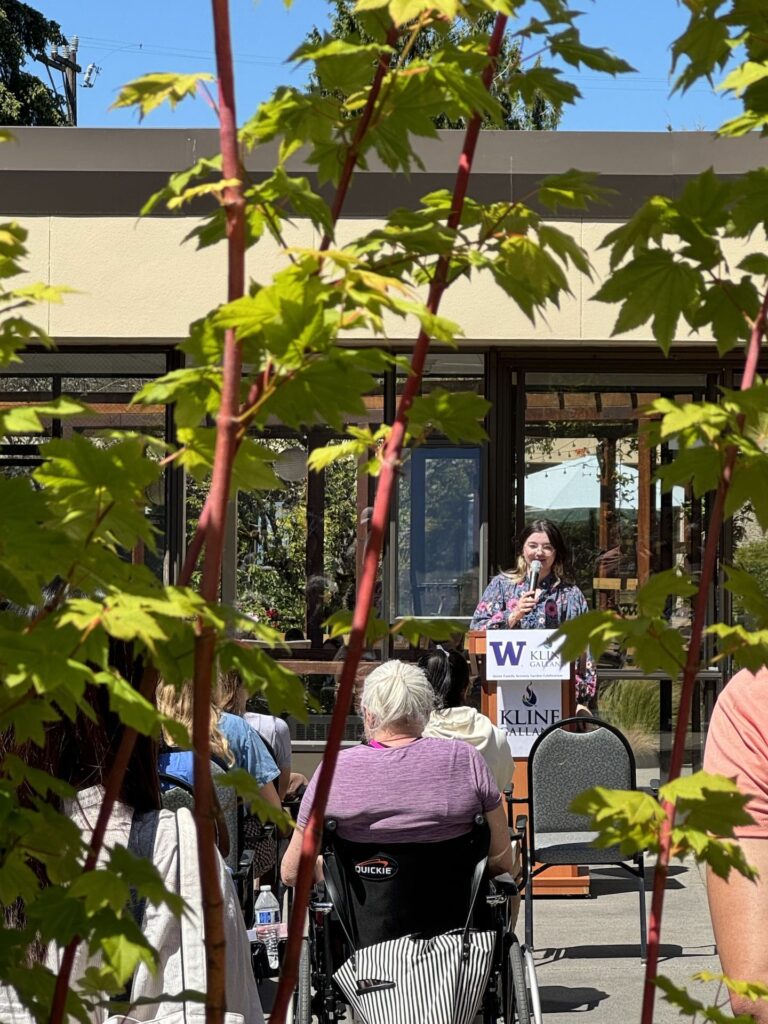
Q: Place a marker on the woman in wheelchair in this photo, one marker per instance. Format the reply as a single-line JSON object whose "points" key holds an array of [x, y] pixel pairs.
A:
{"points": [[413, 828], [402, 787]]}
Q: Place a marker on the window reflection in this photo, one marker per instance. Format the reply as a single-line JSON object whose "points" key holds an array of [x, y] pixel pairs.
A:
{"points": [[438, 552]]}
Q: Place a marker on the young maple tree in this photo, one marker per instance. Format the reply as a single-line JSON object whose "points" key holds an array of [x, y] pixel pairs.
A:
{"points": [[279, 349]]}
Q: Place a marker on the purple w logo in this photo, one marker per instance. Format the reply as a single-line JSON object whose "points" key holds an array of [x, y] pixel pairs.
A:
{"points": [[512, 652]]}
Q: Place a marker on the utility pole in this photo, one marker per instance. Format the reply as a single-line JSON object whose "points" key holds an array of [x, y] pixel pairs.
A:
{"points": [[64, 59]]}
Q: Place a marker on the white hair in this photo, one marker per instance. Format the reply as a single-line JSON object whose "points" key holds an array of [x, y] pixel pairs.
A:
{"points": [[397, 694]]}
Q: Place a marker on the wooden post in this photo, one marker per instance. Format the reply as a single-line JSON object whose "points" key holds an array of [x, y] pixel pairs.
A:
{"points": [[643, 509], [607, 533]]}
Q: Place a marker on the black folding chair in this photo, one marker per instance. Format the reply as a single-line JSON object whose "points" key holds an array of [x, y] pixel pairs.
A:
{"points": [[562, 764]]}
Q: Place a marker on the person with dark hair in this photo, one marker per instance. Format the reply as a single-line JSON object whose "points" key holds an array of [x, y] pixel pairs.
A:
{"points": [[81, 751], [294, 634], [448, 674], [508, 601]]}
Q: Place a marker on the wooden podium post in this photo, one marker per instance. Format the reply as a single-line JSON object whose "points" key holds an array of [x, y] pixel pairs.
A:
{"points": [[562, 879]]}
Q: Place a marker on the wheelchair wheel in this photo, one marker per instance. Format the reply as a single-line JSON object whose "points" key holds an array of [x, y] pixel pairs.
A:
{"points": [[302, 999], [516, 1003]]}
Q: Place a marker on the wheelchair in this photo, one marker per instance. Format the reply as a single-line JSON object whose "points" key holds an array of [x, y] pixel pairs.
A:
{"points": [[373, 892]]}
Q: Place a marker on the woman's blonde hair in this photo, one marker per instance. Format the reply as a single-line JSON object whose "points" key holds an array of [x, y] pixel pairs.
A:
{"points": [[178, 705], [396, 695], [229, 692]]}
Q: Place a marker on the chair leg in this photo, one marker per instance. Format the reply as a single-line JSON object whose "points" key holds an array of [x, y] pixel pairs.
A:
{"points": [[529, 914], [641, 890]]}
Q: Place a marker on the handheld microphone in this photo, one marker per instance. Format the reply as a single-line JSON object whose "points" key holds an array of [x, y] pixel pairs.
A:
{"points": [[535, 573]]}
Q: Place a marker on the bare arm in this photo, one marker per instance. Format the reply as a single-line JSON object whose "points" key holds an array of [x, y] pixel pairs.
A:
{"points": [[739, 910], [289, 868], [501, 856], [283, 781], [269, 793]]}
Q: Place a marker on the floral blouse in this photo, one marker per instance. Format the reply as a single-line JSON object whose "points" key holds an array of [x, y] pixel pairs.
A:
{"points": [[557, 602]]}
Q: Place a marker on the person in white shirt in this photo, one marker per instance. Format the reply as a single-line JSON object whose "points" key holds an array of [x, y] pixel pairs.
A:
{"points": [[81, 751], [452, 719]]}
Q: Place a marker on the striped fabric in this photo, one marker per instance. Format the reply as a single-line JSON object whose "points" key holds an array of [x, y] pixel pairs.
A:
{"points": [[412, 980]]}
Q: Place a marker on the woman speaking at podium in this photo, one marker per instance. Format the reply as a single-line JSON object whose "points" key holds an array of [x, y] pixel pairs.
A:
{"points": [[535, 596]]}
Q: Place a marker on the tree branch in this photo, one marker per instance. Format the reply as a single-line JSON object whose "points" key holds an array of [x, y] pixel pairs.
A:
{"points": [[364, 602], [214, 516], [360, 131], [709, 561], [257, 387]]}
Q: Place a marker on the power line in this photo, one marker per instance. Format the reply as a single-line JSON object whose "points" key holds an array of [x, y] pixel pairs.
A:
{"points": [[629, 83], [181, 53]]}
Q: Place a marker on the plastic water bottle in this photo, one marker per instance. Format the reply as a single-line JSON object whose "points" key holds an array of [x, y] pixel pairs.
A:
{"points": [[268, 922]]}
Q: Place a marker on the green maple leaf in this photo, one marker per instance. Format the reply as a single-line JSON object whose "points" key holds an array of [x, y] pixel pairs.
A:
{"points": [[150, 91], [654, 286]]}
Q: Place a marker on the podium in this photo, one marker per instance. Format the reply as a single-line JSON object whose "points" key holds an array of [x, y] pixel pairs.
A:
{"points": [[524, 707]]}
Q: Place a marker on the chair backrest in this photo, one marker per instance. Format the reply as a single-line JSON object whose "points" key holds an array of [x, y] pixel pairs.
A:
{"points": [[176, 793], [563, 764], [386, 890]]}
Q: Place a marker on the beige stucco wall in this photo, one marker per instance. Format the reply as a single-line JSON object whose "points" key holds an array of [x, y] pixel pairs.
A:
{"points": [[136, 281]]}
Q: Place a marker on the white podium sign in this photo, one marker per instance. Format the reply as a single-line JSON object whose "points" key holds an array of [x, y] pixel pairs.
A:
{"points": [[525, 709], [529, 670], [524, 654]]}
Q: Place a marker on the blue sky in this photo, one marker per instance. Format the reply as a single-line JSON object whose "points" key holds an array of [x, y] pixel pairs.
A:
{"points": [[128, 40]]}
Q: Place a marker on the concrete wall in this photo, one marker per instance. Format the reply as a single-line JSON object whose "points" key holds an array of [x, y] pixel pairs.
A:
{"points": [[136, 280], [78, 191]]}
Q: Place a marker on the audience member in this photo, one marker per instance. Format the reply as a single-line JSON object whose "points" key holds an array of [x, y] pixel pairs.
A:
{"points": [[737, 747], [401, 787], [82, 752], [242, 748], [273, 731], [448, 674]]}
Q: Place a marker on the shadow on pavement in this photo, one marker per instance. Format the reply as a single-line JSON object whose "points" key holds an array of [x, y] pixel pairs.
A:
{"points": [[562, 999], [614, 951], [608, 881]]}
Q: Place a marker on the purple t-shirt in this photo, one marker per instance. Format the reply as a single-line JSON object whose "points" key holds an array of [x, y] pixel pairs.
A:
{"points": [[421, 792]]}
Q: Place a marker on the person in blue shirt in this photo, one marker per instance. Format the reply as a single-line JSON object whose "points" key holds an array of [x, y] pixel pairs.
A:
{"points": [[233, 744]]}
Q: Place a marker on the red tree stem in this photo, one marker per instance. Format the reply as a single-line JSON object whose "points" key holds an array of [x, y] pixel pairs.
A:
{"points": [[364, 601], [215, 519], [363, 124], [194, 548], [709, 560], [258, 386]]}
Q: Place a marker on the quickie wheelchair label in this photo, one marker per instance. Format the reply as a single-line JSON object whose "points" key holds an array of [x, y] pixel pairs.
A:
{"points": [[380, 868]]}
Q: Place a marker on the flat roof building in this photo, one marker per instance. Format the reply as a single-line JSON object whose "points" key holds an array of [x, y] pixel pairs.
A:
{"points": [[565, 396]]}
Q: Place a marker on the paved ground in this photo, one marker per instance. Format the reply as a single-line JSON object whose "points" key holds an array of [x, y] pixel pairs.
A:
{"points": [[587, 950]]}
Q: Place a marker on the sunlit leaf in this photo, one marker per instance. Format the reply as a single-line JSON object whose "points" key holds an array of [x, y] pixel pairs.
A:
{"points": [[150, 91]]}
